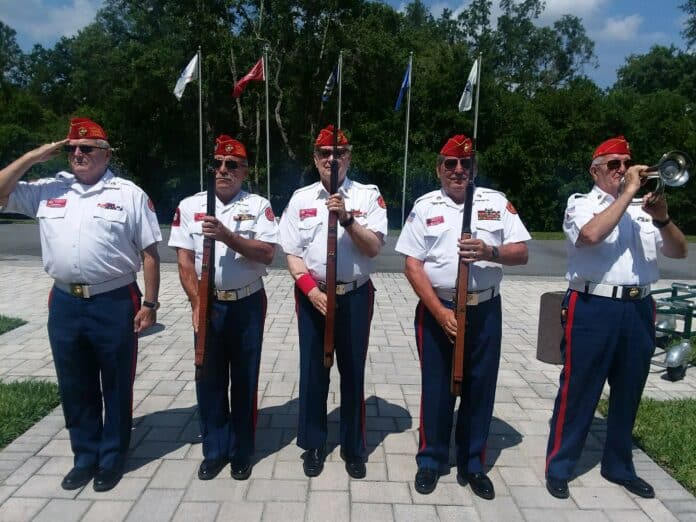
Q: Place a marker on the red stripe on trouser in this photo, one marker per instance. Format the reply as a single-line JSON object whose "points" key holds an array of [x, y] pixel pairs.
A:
{"points": [[420, 312], [370, 311], [563, 403], [135, 298], [255, 412]]}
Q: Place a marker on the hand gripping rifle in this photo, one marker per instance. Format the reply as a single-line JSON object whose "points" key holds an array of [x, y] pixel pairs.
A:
{"points": [[205, 288], [462, 289], [331, 260]]}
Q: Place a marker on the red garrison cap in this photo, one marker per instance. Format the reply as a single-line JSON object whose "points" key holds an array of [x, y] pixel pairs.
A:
{"points": [[228, 146], [85, 128], [458, 146], [325, 137], [617, 145]]}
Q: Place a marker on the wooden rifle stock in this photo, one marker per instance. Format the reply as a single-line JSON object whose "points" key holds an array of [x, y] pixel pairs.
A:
{"points": [[331, 245], [205, 288], [462, 291]]}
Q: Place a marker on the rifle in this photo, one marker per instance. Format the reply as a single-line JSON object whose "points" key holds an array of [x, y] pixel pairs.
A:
{"points": [[205, 288], [462, 289], [331, 242]]}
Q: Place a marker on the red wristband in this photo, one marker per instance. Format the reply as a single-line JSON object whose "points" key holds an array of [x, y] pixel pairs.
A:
{"points": [[306, 283]]}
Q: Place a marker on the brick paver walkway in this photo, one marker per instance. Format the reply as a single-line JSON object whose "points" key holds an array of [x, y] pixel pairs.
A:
{"points": [[160, 483]]}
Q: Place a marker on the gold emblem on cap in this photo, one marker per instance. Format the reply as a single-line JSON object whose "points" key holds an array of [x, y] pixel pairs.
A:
{"points": [[466, 147], [82, 131], [229, 147]]}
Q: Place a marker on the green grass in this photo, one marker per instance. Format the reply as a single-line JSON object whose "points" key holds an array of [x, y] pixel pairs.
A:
{"points": [[22, 404], [666, 431], [9, 323]]}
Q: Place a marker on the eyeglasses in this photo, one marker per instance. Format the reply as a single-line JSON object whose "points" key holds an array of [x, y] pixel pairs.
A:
{"points": [[326, 153], [451, 163], [615, 164], [86, 149], [229, 164]]}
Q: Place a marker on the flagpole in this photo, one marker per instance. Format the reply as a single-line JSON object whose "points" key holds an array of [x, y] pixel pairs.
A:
{"points": [[268, 142], [476, 110], [340, 86], [200, 115], [408, 117]]}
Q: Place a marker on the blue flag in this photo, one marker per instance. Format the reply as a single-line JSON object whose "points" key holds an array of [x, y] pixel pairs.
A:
{"points": [[405, 84], [330, 84]]}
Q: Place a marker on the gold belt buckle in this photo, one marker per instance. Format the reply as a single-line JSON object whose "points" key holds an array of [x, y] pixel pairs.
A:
{"points": [[341, 289], [472, 299], [633, 292], [227, 295], [77, 290]]}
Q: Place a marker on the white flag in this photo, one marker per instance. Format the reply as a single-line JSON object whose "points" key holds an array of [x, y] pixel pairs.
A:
{"points": [[187, 75], [468, 94]]}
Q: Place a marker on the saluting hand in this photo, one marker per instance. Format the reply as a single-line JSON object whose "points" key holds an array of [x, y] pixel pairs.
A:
{"points": [[335, 203], [318, 300], [472, 250], [47, 151]]}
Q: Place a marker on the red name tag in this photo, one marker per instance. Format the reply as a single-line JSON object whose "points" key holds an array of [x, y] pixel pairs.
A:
{"points": [[308, 212], [198, 216], [431, 222], [56, 203]]}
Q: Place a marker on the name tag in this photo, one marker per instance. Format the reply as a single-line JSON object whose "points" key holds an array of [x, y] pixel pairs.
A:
{"points": [[431, 222], [198, 216], [56, 203], [308, 212]]}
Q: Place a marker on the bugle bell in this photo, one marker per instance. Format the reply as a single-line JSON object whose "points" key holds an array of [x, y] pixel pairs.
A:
{"points": [[672, 170]]}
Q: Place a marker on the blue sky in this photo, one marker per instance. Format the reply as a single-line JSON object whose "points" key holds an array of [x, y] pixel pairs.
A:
{"points": [[618, 27]]}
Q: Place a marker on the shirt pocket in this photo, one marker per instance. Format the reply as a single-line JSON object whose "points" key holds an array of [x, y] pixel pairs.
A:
{"points": [[245, 228], [309, 228], [438, 240], [490, 232], [648, 241], [51, 219], [111, 221]]}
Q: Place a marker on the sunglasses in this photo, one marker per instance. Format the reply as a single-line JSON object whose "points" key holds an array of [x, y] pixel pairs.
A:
{"points": [[229, 164], [326, 153], [616, 164], [86, 149], [451, 163]]}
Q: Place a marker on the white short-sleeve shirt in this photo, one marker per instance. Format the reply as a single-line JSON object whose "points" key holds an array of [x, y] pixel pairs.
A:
{"points": [[627, 256], [434, 227], [248, 215], [303, 228], [89, 233]]}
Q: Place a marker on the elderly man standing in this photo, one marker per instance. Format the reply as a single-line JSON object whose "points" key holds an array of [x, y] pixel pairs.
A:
{"points": [[608, 314], [431, 241], [95, 227], [362, 216], [245, 232]]}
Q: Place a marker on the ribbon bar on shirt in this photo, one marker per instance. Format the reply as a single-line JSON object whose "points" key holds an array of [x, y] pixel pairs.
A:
{"points": [[239, 293], [84, 291], [625, 292]]}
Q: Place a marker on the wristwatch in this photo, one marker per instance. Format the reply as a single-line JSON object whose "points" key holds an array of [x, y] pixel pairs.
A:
{"points": [[348, 222], [150, 304], [495, 253]]}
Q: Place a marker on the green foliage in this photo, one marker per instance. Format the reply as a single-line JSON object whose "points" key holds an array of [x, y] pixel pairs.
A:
{"points": [[9, 323], [22, 404], [666, 431], [539, 120]]}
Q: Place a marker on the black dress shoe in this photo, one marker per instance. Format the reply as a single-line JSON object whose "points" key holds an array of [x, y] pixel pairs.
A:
{"points": [[313, 462], [480, 484], [240, 470], [557, 487], [426, 480], [106, 479], [637, 486], [77, 477], [355, 466], [210, 468]]}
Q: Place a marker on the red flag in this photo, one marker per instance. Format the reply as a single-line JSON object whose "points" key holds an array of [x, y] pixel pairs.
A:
{"points": [[257, 73]]}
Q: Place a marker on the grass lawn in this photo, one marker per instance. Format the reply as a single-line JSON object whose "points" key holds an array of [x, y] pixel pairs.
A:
{"points": [[9, 323], [666, 431], [22, 404]]}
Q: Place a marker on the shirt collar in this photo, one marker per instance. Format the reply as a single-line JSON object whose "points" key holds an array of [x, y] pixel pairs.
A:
{"points": [[598, 195], [344, 190]]}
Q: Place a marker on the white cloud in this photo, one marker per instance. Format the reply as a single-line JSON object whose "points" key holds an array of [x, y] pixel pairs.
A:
{"points": [[45, 21], [557, 8], [620, 29]]}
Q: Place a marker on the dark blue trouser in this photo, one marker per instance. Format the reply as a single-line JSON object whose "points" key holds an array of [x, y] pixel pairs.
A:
{"points": [[352, 332], [481, 361], [227, 395], [95, 352], [604, 339]]}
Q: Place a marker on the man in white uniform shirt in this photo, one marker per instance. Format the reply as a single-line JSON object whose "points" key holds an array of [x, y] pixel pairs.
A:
{"points": [[431, 242], [95, 228], [362, 217], [608, 314], [245, 233]]}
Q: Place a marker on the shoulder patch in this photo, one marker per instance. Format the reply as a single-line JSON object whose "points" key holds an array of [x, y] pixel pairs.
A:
{"points": [[511, 208], [150, 204], [269, 214], [380, 202], [176, 220]]}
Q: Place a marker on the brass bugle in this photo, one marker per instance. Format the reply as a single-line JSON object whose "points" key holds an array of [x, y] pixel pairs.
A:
{"points": [[672, 170]]}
